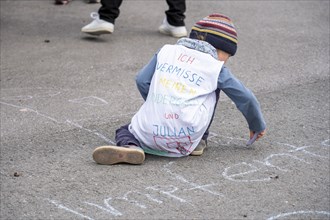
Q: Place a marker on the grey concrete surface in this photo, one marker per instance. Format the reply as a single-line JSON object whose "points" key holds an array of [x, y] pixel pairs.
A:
{"points": [[64, 93]]}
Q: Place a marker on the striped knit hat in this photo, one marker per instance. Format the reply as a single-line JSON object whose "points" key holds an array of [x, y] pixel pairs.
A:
{"points": [[218, 30]]}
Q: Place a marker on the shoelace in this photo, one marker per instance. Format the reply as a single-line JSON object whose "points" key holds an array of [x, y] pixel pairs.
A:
{"points": [[95, 16]]}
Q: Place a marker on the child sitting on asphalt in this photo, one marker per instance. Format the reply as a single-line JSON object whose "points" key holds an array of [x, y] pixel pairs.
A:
{"points": [[181, 86]]}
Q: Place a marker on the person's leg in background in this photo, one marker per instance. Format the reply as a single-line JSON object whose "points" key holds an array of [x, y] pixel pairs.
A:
{"points": [[174, 24], [109, 10], [175, 14]]}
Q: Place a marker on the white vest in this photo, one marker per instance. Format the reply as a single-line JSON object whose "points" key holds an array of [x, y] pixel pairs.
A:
{"points": [[180, 102]]}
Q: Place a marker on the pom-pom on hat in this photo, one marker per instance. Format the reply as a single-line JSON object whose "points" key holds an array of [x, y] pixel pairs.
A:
{"points": [[218, 30]]}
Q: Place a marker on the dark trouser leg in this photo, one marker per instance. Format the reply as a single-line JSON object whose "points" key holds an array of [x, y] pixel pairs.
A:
{"points": [[217, 95], [175, 14], [125, 137], [109, 10]]}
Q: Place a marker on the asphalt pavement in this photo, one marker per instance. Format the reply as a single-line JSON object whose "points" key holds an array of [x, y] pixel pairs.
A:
{"points": [[63, 93]]}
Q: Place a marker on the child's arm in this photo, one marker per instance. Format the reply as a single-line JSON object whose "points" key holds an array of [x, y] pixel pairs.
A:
{"points": [[143, 78], [244, 100]]}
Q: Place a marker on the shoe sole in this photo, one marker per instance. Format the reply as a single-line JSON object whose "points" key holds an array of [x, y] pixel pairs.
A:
{"points": [[108, 155], [197, 153], [97, 31]]}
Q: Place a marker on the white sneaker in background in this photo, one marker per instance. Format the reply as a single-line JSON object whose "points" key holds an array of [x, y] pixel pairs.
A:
{"points": [[174, 31], [98, 26]]}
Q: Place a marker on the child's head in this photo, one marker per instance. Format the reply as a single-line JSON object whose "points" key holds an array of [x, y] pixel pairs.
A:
{"points": [[219, 31]]}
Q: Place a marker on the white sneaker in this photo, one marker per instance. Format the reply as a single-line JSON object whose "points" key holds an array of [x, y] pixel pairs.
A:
{"points": [[98, 26], [174, 31]]}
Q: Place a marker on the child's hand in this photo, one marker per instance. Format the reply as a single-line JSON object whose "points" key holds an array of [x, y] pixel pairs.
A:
{"points": [[261, 134]]}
